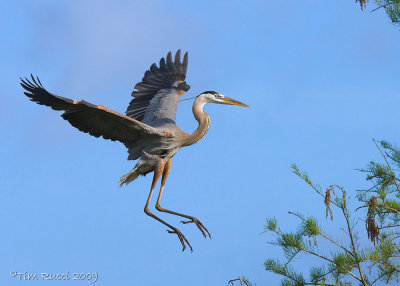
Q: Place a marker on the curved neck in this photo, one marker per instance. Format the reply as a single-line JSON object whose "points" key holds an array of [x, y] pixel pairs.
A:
{"points": [[202, 118]]}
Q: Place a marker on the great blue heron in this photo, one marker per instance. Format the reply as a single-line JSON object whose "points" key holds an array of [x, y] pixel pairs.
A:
{"points": [[148, 130]]}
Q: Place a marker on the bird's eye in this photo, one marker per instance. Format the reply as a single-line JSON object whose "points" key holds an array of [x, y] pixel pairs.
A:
{"points": [[218, 96]]}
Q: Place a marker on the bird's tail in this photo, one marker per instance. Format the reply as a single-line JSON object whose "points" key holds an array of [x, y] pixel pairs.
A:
{"points": [[130, 177]]}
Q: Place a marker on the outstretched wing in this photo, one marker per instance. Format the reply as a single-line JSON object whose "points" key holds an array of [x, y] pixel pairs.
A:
{"points": [[157, 95], [96, 120]]}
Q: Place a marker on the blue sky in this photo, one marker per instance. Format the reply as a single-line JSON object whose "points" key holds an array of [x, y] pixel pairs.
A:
{"points": [[321, 79]]}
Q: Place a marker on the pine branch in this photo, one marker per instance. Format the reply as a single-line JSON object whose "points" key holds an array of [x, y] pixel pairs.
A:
{"points": [[346, 215], [325, 236], [306, 179], [382, 6], [335, 263], [390, 168]]}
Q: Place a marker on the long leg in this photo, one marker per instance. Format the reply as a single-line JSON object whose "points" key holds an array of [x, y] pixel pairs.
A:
{"points": [[182, 238], [193, 219]]}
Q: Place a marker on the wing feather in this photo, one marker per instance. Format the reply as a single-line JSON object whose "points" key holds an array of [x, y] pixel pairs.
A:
{"points": [[157, 95], [96, 120]]}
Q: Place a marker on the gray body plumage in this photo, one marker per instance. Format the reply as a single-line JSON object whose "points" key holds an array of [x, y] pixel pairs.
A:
{"points": [[155, 103]]}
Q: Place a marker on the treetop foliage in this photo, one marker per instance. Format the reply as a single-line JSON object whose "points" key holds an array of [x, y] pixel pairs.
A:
{"points": [[392, 8], [348, 262]]}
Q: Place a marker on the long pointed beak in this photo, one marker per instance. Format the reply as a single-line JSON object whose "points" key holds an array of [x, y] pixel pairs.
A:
{"points": [[227, 100]]}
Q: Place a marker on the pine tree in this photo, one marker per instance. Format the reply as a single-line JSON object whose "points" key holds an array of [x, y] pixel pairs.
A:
{"points": [[346, 261]]}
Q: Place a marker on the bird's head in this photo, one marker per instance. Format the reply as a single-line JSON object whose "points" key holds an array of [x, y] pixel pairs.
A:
{"points": [[215, 97]]}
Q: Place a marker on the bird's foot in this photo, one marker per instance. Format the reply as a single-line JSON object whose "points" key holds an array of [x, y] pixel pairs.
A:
{"points": [[199, 226], [182, 238]]}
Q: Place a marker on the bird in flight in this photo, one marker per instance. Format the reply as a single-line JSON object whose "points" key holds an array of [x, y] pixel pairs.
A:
{"points": [[148, 129]]}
